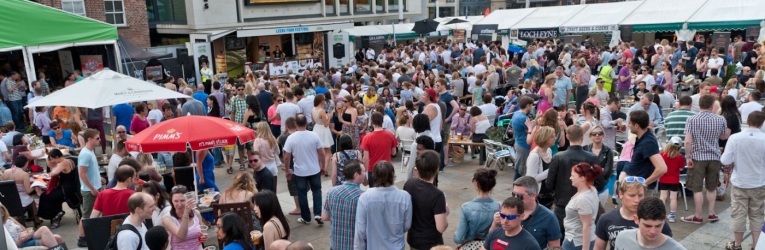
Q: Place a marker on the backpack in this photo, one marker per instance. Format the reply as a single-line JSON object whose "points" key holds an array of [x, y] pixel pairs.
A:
{"points": [[112, 244]]}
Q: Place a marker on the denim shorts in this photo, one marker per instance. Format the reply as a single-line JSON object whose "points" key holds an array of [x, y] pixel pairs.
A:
{"points": [[30, 243]]}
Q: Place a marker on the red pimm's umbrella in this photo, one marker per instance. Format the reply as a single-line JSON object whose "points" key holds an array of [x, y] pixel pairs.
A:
{"points": [[195, 132]]}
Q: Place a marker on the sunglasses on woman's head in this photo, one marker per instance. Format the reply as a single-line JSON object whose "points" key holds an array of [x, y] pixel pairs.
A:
{"points": [[597, 133], [179, 189], [634, 179]]}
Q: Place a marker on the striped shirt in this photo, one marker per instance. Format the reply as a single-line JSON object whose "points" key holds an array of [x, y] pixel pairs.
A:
{"points": [[341, 206], [13, 95], [675, 123], [705, 128]]}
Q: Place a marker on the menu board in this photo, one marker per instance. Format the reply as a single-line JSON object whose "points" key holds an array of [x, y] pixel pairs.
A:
{"points": [[304, 50], [721, 40]]}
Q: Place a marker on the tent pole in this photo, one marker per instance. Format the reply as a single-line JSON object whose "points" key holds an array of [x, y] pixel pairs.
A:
{"points": [[117, 56], [29, 65]]}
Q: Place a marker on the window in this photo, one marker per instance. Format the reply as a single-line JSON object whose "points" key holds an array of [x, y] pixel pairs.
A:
{"points": [[393, 5], [115, 12], [379, 6], [166, 11], [345, 7], [329, 7], [431, 12], [362, 6], [76, 7], [445, 11]]}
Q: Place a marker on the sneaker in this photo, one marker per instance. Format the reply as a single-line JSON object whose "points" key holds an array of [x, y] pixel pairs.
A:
{"points": [[441, 171], [318, 220], [712, 218], [300, 220], [732, 246], [692, 219], [81, 242], [671, 218], [473, 156]]}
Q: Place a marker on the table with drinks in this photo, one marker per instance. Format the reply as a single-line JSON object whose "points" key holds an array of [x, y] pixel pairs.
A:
{"points": [[458, 140]]}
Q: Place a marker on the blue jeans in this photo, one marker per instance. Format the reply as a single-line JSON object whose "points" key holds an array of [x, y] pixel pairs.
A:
{"points": [[569, 245], [370, 180], [302, 184], [16, 108], [218, 155]]}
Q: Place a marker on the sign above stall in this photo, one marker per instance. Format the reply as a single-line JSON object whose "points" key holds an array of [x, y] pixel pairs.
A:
{"points": [[589, 29], [293, 29], [536, 33]]}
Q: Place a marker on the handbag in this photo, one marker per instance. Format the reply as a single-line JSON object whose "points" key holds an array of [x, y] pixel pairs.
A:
{"points": [[471, 245]]}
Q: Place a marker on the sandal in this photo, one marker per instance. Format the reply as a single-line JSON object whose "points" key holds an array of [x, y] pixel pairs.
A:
{"points": [[54, 223], [241, 167], [230, 170]]}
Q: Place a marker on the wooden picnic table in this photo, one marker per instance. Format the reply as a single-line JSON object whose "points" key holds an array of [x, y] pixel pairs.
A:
{"points": [[467, 142]]}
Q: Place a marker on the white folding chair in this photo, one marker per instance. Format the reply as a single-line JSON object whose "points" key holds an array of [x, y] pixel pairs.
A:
{"points": [[498, 155], [683, 179], [404, 146]]}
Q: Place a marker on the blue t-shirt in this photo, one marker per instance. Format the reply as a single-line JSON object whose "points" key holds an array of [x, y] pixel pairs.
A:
{"points": [[520, 129], [645, 147], [543, 225], [562, 85], [233, 246], [123, 113], [66, 139], [447, 98], [202, 97], [87, 158], [321, 90]]}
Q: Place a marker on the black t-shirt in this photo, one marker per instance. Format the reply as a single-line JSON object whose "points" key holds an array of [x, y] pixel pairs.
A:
{"points": [[645, 147], [611, 223], [264, 179], [336, 121], [281, 141], [498, 240], [733, 123], [748, 60], [427, 201]]}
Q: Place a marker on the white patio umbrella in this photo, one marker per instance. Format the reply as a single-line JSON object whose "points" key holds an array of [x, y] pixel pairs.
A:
{"points": [[104, 89]]}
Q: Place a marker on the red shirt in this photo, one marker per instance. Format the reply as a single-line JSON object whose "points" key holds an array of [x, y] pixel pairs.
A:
{"points": [[674, 166], [379, 145], [111, 201]]}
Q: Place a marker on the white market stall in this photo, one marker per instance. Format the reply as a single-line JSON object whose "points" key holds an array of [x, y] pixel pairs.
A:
{"points": [[728, 15], [658, 16], [375, 36], [544, 22], [599, 19], [499, 22]]}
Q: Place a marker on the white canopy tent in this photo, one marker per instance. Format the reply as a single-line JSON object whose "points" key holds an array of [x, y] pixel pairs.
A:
{"points": [[457, 26], [548, 17], [727, 15], [599, 18], [369, 30], [504, 19], [662, 15]]}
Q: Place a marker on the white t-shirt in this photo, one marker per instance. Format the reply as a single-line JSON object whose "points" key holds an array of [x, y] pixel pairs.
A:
{"points": [[388, 124], [488, 109], [714, 63], [127, 239], [471, 83], [114, 162], [479, 69], [303, 145], [747, 108], [306, 105], [155, 114], [287, 110], [446, 56], [648, 79], [343, 93], [3, 149]]}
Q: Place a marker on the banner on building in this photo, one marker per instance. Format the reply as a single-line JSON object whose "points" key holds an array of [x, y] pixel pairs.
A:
{"points": [[537, 33], [589, 29], [338, 51], [90, 64]]}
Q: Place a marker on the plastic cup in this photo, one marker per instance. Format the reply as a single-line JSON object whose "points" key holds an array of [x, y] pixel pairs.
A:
{"points": [[255, 236], [202, 232], [190, 195]]}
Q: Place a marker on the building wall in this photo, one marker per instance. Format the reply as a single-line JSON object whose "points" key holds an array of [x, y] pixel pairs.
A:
{"points": [[137, 25]]}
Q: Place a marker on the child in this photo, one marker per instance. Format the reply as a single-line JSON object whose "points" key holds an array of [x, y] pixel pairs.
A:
{"points": [[670, 181]]}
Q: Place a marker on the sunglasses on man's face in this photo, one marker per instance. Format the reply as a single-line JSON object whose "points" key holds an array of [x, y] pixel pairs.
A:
{"points": [[516, 195], [509, 216], [121, 132], [240, 89], [254, 161]]}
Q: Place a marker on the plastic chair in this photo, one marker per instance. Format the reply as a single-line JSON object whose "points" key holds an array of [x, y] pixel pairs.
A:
{"points": [[184, 176], [406, 154], [683, 179], [498, 155], [98, 230]]}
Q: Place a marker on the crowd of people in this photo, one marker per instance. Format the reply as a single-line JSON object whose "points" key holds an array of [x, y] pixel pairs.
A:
{"points": [[576, 113]]}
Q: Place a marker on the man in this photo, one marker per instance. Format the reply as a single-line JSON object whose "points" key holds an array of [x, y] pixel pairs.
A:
{"points": [[715, 62], [404, 76], [690, 57], [647, 105], [384, 232], [429, 206], [192, 105], [35, 95], [478, 53], [207, 76], [304, 104], [370, 54], [752, 104], [714, 79], [625, 80], [650, 218], [738, 43], [705, 88], [123, 115], [113, 201], [264, 179], [307, 149], [433, 111], [377, 145], [744, 150], [746, 74], [511, 102], [511, 235], [539, 221], [156, 237], [480, 68], [703, 131], [513, 74], [451, 109], [15, 89], [521, 129], [562, 87], [609, 124], [446, 56], [676, 120], [141, 206], [559, 173], [287, 109], [201, 96], [610, 224], [341, 205], [291, 187], [264, 98], [646, 160], [119, 152], [90, 178], [221, 98]]}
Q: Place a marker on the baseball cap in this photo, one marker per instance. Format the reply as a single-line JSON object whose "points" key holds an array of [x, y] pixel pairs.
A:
{"points": [[432, 94], [676, 141], [714, 89], [507, 64]]}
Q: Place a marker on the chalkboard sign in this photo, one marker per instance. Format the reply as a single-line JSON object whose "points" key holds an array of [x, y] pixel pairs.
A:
{"points": [[62, 246], [626, 32], [753, 31], [721, 40], [235, 43]]}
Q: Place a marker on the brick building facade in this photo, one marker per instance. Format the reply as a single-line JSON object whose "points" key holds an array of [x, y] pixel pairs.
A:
{"points": [[136, 24]]}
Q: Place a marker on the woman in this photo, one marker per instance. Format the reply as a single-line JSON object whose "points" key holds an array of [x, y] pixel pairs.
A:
{"points": [[20, 147], [19, 175], [539, 160], [212, 102], [344, 153], [77, 132], [28, 238], [479, 123], [321, 126], [370, 99], [701, 65], [181, 85], [183, 221], [362, 122], [267, 146], [60, 136], [546, 93], [492, 81], [639, 91], [42, 122], [388, 97], [404, 132], [162, 205], [604, 153], [253, 114], [477, 215], [269, 212], [232, 232], [478, 90], [155, 114], [62, 115], [275, 124], [733, 122], [591, 115], [350, 119], [552, 120], [579, 223], [63, 185], [205, 176], [147, 166], [69, 80], [139, 122], [77, 116], [241, 190], [534, 71], [581, 79], [665, 77], [421, 126]]}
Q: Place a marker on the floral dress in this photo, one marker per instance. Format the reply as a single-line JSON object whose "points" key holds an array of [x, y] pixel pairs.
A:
{"points": [[353, 131], [342, 157]]}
